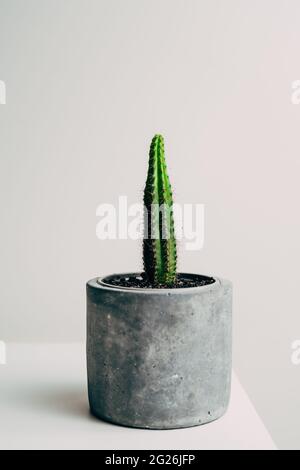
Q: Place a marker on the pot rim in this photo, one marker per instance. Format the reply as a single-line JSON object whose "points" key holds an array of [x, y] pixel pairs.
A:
{"points": [[99, 282]]}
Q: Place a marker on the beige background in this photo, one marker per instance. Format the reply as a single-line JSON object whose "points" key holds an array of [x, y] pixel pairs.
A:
{"points": [[88, 84]]}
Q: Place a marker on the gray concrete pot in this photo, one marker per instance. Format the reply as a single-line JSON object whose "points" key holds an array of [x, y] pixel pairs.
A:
{"points": [[159, 358]]}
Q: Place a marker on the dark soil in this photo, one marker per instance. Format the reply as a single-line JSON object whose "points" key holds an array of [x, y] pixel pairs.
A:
{"points": [[141, 281]]}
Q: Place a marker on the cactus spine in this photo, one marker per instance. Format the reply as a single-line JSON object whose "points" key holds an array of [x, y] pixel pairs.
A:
{"points": [[159, 247]]}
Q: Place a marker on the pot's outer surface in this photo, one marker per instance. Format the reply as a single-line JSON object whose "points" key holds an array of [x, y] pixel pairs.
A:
{"points": [[159, 359]]}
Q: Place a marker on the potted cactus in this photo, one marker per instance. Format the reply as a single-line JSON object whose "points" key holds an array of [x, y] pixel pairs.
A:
{"points": [[159, 342]]}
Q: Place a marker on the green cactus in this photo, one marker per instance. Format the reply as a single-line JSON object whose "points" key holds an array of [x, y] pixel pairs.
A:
{"points": [[159, 248]]}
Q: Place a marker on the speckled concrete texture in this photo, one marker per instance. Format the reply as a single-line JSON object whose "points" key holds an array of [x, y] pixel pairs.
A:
{"points": [[159, 358]]}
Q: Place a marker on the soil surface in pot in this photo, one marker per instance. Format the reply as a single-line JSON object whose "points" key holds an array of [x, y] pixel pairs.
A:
{"points": [[141, 281]]}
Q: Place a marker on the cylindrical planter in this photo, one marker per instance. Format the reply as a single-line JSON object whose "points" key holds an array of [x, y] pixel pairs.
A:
{"points": [[159, 358]]}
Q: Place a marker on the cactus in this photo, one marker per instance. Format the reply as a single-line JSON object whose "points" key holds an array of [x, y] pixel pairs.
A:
{"points": [[159, 246]]}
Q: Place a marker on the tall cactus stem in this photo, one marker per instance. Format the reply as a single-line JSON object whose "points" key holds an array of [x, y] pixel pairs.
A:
{"points": [[159, 247]]}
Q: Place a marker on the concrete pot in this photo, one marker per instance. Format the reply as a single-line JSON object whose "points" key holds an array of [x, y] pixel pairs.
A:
{"points": [[159, 358]]}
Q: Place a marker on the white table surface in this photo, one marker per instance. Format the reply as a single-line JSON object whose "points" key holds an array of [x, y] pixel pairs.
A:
{"points": [[43, 405]]}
